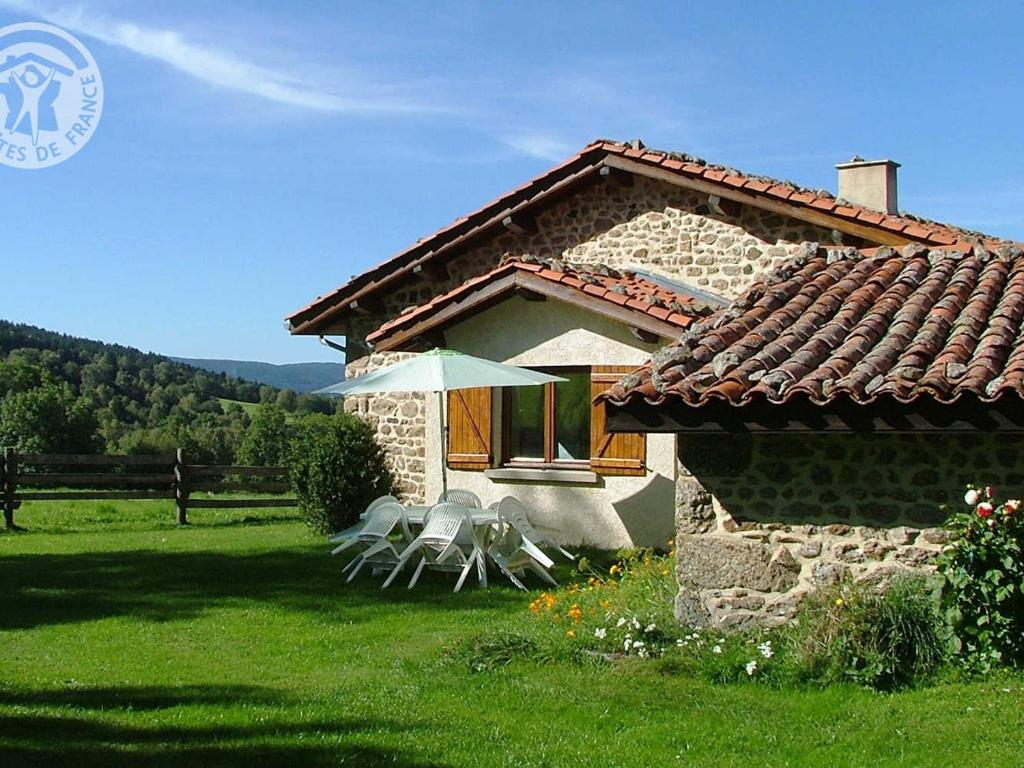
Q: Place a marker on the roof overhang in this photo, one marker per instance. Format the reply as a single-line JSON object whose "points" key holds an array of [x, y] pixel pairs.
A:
{"points": [[967, 414], [581, 170]]}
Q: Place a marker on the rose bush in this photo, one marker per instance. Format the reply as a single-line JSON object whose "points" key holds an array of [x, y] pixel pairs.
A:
{"points": [[983, 569]]}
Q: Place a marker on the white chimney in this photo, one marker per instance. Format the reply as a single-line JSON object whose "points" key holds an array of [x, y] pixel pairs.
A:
{"points": [[870, 183]]}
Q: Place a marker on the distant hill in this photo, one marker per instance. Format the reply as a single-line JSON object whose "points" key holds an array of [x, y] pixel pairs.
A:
{"points": [[64, 394], [302, 377]]}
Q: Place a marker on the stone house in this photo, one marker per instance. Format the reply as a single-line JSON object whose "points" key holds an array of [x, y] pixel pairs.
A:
{"points": [[588, 271]]}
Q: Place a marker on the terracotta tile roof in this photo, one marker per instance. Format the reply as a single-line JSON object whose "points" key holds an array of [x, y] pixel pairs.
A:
{"points": [[641, 294], [863, 325], [586, 162]]}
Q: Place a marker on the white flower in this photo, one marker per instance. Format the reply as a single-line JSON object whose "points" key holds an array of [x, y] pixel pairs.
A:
{"points": [[680, 642], [600, 633], [766, 649], [621, 621], [972, 497], [650, 628], [627, 644], [717, 649], [636, 623], [751, 667]]}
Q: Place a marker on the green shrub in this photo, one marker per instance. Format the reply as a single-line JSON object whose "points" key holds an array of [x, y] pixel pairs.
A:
{"points": [[857, 634], [983, 570], [337, 468]]}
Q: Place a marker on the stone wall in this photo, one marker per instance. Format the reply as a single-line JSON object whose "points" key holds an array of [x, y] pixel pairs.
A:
{"points": [[650, 225], [400, 421], [763, 519]]}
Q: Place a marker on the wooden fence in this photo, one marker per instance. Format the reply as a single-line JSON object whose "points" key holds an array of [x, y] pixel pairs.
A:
{"points": [[164, 476]]}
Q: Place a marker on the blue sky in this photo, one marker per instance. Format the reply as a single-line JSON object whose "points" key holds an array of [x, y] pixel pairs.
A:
{"points": [[252, 155]]}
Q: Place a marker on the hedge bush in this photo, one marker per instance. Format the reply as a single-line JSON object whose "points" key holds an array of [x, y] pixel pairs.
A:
{"points": [[337, 468]]}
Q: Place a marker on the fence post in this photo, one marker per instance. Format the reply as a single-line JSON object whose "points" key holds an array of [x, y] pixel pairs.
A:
{"points": [[9, 475], [181, 487]]}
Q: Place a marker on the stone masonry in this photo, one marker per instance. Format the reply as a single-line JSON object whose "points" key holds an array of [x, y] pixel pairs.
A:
{"points": [[401, 424], [651, 225], [762, 520]]}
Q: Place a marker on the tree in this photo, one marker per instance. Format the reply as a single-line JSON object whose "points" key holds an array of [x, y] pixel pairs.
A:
{"points": [[266, 441], [48, 419], [288, 400]]}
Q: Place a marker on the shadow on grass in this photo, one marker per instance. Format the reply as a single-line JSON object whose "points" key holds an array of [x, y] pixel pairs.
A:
{"points": [[79, 727], [42, 589], [138, 698]]}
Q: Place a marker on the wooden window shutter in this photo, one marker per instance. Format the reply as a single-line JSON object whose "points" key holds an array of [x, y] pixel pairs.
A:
{"points": [[623, 453], [469, 429]]}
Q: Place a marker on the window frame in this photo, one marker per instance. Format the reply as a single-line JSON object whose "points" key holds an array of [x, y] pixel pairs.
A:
{"points": [[550, 460]]}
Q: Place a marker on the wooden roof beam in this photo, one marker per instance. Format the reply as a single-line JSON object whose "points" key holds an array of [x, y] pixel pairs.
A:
{"points": [[615, 176], [521, 223], [432, 270], [803, 213]]}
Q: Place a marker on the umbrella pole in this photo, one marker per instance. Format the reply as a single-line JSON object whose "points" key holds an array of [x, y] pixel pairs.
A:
{"points": [[444, 443]]}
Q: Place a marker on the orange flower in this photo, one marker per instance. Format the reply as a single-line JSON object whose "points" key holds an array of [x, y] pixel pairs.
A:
{"points": [[570, 633], [575, 613], [615, 570]]}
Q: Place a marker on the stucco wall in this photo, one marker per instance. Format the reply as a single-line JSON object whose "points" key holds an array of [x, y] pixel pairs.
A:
{"points": [[614, 512], [763, 519]]}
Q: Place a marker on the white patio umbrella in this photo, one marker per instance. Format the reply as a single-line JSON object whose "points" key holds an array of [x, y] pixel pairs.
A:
{"points": [[440, 371]]}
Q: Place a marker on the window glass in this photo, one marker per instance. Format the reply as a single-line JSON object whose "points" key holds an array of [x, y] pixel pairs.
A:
{"points": [[572, 415], [526, 422]]}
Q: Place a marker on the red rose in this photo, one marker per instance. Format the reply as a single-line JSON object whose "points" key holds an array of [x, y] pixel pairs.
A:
{"points": [[1011, 507], [985, 509], [990, 491]]}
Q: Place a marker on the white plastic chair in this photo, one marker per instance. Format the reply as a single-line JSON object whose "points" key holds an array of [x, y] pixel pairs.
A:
{"points": [[461, 497], [375, 534], [513, 510], [349, 533], [447, 530], [513, 550]]}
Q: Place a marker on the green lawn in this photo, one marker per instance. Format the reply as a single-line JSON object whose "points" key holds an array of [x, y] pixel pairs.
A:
{"points": [[127, 641]]}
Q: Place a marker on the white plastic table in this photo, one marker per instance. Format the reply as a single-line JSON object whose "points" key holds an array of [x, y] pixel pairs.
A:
{"points": [[481, 517]]}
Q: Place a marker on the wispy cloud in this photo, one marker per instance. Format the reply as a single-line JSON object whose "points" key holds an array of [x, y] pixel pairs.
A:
{"points": [[223, 68], [540, 145]]}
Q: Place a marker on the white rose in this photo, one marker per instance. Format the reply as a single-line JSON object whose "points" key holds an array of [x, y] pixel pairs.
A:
{"points": [[972, 497]]}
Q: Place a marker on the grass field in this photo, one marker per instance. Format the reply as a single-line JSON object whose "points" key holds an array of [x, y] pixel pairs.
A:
{"points": [[126, 641], [249, 408]]}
